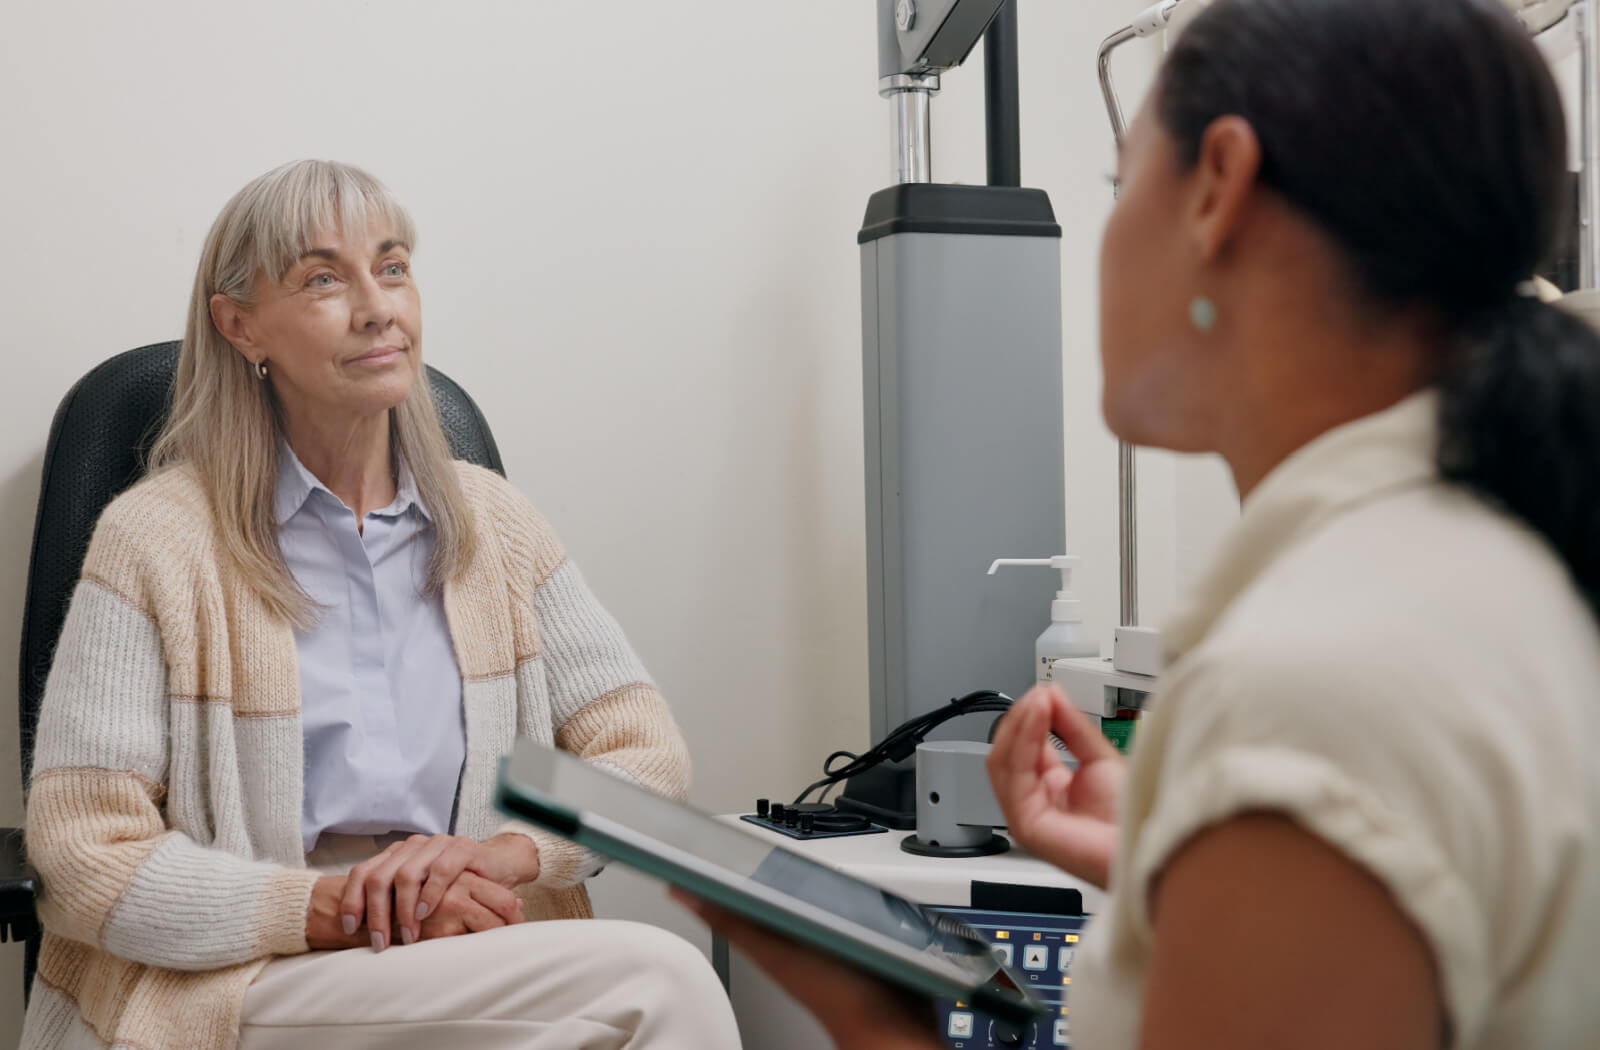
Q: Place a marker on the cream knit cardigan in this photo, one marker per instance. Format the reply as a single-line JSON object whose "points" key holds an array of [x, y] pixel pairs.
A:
{"points": [[164, 808]]}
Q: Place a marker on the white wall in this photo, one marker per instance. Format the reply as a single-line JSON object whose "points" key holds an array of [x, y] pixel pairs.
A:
{"points": [[637, 253]]}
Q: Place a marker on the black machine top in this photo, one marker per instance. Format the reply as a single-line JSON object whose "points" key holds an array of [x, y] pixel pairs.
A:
{"points": [[931, 207]]}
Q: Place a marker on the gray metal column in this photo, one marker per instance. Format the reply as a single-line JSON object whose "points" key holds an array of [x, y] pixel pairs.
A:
{"points": [[1589, 111], [961, 351]]}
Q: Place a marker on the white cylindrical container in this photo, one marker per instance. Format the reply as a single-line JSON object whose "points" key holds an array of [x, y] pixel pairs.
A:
{"points": [[1066, 638]]}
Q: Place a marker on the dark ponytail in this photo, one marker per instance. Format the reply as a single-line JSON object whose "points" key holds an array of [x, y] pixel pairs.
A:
{"points": [[1520, 424], [1427, 138]]}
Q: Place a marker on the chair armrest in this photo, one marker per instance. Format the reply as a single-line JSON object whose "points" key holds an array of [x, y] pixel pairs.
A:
{"points": [[18, 885]]}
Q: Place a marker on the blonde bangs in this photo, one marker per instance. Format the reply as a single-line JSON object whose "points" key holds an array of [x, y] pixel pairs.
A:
{"points": [[312, 200], [278, 218]]}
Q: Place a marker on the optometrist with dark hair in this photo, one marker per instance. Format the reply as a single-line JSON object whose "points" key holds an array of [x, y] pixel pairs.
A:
{"points": [[1366, 810]]}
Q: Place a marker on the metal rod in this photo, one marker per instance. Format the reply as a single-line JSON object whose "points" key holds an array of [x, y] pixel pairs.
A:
{"points": [[913, 136], [1002, 125], [1127, 479], [1128, 534], [1588, 28], [909, 105], [1119, 126]]}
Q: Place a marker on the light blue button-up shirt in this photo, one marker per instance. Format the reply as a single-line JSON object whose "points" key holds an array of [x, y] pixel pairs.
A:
{"points": [[380, 690]]}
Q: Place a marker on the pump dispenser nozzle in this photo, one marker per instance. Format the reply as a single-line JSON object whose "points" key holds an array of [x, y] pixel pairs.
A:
{"points": [[1065, 638], [1066, 608]]}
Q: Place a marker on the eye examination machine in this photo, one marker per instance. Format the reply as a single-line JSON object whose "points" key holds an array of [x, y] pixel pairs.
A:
{"points": [[962, 411], [965, 513]]}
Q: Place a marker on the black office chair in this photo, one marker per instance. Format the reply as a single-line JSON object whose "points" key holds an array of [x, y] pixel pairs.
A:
{"points": [[97, 444]]}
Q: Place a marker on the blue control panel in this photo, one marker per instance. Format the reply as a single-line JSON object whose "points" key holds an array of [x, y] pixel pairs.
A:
{"points": [[1037, 948]]}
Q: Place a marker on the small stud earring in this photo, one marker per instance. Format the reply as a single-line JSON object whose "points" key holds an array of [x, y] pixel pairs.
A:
{"points": [[1203, 314], [261, 370]]}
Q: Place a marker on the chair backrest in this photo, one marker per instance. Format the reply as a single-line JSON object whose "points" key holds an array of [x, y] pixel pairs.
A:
{"points": [[98, 441]]}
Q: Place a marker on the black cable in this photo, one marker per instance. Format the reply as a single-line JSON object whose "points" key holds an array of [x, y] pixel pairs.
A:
{"points": [[902, 741]]}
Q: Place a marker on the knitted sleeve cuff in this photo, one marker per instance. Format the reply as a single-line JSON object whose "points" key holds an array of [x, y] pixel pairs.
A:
{"points": [[561, 863], [280, 920], [192, 908]]}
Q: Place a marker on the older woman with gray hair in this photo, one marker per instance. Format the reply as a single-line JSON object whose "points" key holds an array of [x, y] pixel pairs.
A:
{"points": [[261, 803]]}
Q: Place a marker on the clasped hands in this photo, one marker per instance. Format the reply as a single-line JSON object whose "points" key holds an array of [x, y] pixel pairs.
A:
{"points": [[424, 887]]}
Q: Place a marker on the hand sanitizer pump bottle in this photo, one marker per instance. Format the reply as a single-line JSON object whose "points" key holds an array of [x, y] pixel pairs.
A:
{"points": [[1066, 638]]}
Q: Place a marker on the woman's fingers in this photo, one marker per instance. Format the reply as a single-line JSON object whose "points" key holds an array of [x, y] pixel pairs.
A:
{"points": [[420, 866], [353, 904], [1011, 728], [506, 905], [1062, 816], [1078, 731], [409, 881], [1003, 765], [858, 1011], [756, 942], [378, 885], [415, 856], [471, 905], [452, 859], [797, 969], [1014, 768], [476, 918]]}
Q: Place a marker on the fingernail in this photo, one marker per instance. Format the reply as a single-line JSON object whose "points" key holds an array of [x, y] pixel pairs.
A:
{"points": [[406, 936], [422, 910], [377, 941], [349, 925]]}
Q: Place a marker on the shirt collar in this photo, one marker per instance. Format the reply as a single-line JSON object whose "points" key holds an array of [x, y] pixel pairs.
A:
{"points": [[296, 484], [1345, 467], [406, 494]]}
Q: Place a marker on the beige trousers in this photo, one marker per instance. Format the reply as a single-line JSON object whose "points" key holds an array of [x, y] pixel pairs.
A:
{"points": [[581, 985]]}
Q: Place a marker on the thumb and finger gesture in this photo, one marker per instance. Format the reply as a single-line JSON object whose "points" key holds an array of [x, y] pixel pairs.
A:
{"points": [[1063, 816]]}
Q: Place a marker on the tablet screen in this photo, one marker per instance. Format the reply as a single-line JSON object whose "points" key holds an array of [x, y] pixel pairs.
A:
{"points": [[606, 808], [917, 927]]}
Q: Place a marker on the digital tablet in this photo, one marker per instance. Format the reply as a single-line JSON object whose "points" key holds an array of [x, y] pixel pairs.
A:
{"points": [[877, 931]]}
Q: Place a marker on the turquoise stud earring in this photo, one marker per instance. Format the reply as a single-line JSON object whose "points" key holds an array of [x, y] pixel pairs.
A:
{"points": [[1203, 314]]}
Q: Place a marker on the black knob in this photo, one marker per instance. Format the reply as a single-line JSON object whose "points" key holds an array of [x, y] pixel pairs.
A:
{"points": [[777, 812], [791, 817], [808, 823], [1008, 1034], [762, 807]]}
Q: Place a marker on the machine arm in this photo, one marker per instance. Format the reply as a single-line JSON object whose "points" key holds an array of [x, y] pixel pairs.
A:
{"points": [[926, 37]]}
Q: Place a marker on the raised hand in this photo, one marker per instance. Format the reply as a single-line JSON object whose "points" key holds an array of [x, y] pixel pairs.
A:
{"points": [[1067, 818]]}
